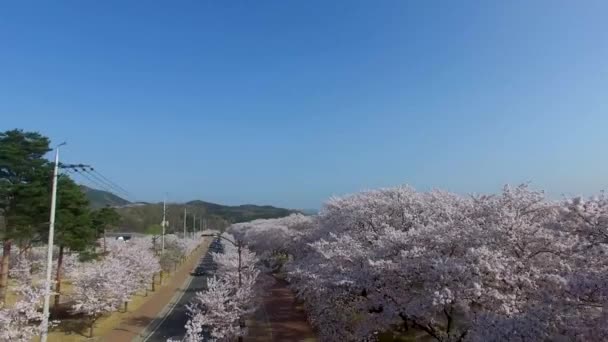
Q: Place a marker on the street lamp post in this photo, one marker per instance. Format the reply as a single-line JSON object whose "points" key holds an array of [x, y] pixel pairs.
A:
{"points": [[235, 244]]}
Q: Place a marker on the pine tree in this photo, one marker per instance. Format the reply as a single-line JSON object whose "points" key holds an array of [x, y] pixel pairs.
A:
{"points": [[24, 179]]}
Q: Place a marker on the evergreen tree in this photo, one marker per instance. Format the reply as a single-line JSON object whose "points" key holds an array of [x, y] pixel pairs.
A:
{"points": [[104, 219], [73, 228], [24, 182]]}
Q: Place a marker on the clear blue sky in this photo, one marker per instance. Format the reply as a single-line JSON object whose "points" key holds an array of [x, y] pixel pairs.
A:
{"points": [[289, 102]]}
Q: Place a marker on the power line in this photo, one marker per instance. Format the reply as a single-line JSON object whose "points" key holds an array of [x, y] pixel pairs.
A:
{"points": [[86, 171], [83, 173], [111, 182], [96, 183], [106, 183], [65, 172], [91, 181]]}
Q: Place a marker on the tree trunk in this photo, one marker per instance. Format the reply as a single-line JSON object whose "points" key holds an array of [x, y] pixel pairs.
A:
{"points": [[4, 265], [241, 325], [153, 279], [161, 278], [91, 329], [58, 277], [126, 303]]}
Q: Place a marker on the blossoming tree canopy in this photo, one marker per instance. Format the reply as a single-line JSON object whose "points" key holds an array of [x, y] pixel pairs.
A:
{"points": [[496, 267], [226, 301], [102, 286], [20, 321]]}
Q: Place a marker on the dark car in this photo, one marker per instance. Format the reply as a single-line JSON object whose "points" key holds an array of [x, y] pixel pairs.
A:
{"points": [[198, 271]]}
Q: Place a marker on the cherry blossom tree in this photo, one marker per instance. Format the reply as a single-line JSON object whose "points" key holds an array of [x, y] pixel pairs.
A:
{"points": [[274, 239], [99, 288], [176, 250], [147, 265], [21, 321], [216, 308], [36, 258], [584, 302], [228, 263], [223, 305], [138, 261], [512, 266]]}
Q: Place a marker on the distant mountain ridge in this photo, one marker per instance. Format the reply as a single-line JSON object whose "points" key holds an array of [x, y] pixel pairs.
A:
{"points": [[241, 213], [137, 216], [310, 212], [100, 199]]}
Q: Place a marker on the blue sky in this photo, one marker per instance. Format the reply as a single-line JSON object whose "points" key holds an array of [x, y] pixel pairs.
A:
{"points": [[290, 102]]}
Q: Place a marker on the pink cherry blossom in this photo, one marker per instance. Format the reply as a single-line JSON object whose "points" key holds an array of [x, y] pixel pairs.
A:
{"points": [[511, 266], [222, 307]]}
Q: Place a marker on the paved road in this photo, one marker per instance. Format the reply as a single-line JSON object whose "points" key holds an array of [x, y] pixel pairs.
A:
{"points": [[174, 321]]}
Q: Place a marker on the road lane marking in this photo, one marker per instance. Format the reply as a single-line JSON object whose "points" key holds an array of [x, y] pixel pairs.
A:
{"points": [[171, 308]]}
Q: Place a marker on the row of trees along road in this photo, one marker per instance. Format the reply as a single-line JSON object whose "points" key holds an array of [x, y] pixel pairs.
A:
{"points": [[439, 266], [25, 187]]}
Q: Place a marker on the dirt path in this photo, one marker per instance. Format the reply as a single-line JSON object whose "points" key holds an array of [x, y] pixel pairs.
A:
{"points": [[280, 318], [138, 320]]}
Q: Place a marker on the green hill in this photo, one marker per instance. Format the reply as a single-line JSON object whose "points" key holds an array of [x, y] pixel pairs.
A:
{"points": [[137, 217], [99, 198], [241, 213]]}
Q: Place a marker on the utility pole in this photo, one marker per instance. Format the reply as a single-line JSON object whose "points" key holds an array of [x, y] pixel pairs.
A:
{"points": [[193, 225], [164, 224], [185, 213], [238, 246], [49, 255]]}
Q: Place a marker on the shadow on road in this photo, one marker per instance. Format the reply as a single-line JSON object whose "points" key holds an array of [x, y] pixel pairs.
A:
{"points": [[140, 321]]}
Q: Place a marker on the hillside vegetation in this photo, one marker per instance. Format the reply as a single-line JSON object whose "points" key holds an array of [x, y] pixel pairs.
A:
{"points": [[138, 217], [100, 199], [241, 213]]}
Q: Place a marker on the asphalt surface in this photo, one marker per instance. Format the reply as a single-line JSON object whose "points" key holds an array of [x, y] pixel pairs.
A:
{"points": [[174, 321]]}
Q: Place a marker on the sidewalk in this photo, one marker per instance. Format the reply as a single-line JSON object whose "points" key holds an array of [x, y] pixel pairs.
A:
{"points": [[279, 318], [139, 319]]}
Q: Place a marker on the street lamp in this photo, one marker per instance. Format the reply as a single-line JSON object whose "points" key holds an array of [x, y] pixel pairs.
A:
{"points": [[235, 244]]}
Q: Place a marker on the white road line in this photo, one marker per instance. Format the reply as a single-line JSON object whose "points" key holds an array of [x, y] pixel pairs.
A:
{"points": [[170, 310], [171, 306]]}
